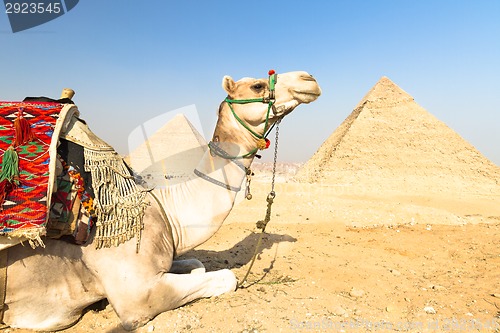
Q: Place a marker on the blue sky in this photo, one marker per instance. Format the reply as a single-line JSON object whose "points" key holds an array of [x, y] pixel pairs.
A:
{"points": [[130, 61]]}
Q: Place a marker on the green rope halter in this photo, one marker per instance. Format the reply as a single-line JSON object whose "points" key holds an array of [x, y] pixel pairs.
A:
{"points": [[273, 77]]}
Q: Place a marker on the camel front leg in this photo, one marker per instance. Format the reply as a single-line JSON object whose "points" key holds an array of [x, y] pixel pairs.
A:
{"points": [[187, 266], [171, 291]]}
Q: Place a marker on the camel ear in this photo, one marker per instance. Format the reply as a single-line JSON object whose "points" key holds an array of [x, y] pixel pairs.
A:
{"points": [[228, 84]]}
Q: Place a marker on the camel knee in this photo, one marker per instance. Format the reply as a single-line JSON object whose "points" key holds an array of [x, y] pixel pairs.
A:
{"points": [[186, 266], [223, 281]]}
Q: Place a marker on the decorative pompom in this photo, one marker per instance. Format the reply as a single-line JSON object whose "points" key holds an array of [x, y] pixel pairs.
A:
{"points": [[271, 72], [5, 188], [263, 143], [10, 166], [22, 127], [9, 175]]}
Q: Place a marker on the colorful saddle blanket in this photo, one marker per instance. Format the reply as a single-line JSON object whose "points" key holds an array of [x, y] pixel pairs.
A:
{"points": [[31, 187], [26, 131]]}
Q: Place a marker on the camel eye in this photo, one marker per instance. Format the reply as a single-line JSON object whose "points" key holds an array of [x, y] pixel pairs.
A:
{"points": [[258, 86]]}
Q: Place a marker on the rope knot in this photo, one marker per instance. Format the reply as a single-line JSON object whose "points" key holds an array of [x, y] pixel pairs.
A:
{"points": [[261, 224]]}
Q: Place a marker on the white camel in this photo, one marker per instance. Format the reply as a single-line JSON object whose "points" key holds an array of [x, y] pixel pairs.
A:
{"points": [[47, 288]]}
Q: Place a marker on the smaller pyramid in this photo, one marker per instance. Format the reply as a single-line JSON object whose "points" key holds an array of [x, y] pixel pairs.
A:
{"points": [[389, 143], [170, 155]]}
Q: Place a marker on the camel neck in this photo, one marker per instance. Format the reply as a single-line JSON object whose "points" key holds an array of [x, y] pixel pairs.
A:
{"points": [[197, 208]]}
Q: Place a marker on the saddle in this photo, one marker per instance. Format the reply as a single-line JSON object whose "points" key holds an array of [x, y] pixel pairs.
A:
{"points": [[66, 180]]}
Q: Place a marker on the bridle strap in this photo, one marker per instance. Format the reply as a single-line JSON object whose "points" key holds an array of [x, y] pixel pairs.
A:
{"points": [[270, 103], [214, 148], [222, 153], [216, 182], [273, 77]]}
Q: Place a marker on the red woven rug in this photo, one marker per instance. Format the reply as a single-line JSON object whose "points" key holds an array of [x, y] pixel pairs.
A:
{"points": [[25, 134]]}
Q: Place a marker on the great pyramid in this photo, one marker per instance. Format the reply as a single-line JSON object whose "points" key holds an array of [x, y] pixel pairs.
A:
{"points": [[389, 143], [170, 155]]}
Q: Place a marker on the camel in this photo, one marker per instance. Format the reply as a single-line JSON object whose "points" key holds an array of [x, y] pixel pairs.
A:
{"points": [[48, 288]]}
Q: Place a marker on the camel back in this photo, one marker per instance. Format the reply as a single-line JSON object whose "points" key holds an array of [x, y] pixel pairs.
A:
{"points": [[32, 168]]}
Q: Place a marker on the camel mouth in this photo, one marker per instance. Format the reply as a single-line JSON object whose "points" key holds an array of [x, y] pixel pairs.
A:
{"points": [[309, 92], [300, 96], [307, 96]]}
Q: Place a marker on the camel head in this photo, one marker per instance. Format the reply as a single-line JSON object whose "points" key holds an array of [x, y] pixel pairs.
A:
{"points": [[254, 105]]}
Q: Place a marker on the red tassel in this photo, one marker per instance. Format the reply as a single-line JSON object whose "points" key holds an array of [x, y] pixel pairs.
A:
{"points": [[22, 127], [5, 188]]}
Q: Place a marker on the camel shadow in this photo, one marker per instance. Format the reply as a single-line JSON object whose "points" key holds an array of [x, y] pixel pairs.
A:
{"points": [[240, 254]]}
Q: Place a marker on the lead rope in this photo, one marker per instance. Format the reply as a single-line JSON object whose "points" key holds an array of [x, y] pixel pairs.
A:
{"points": [[3, 284], [261, 224]]}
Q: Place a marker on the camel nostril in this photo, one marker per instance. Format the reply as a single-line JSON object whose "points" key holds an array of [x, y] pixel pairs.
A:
{"points": [[307, 77]]}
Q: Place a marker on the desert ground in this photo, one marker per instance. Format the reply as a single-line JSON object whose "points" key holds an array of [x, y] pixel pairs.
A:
{"points": [[338, 261]]}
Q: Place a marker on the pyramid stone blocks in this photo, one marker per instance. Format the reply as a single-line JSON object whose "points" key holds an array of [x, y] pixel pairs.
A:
{"points": [[389, 143]]}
